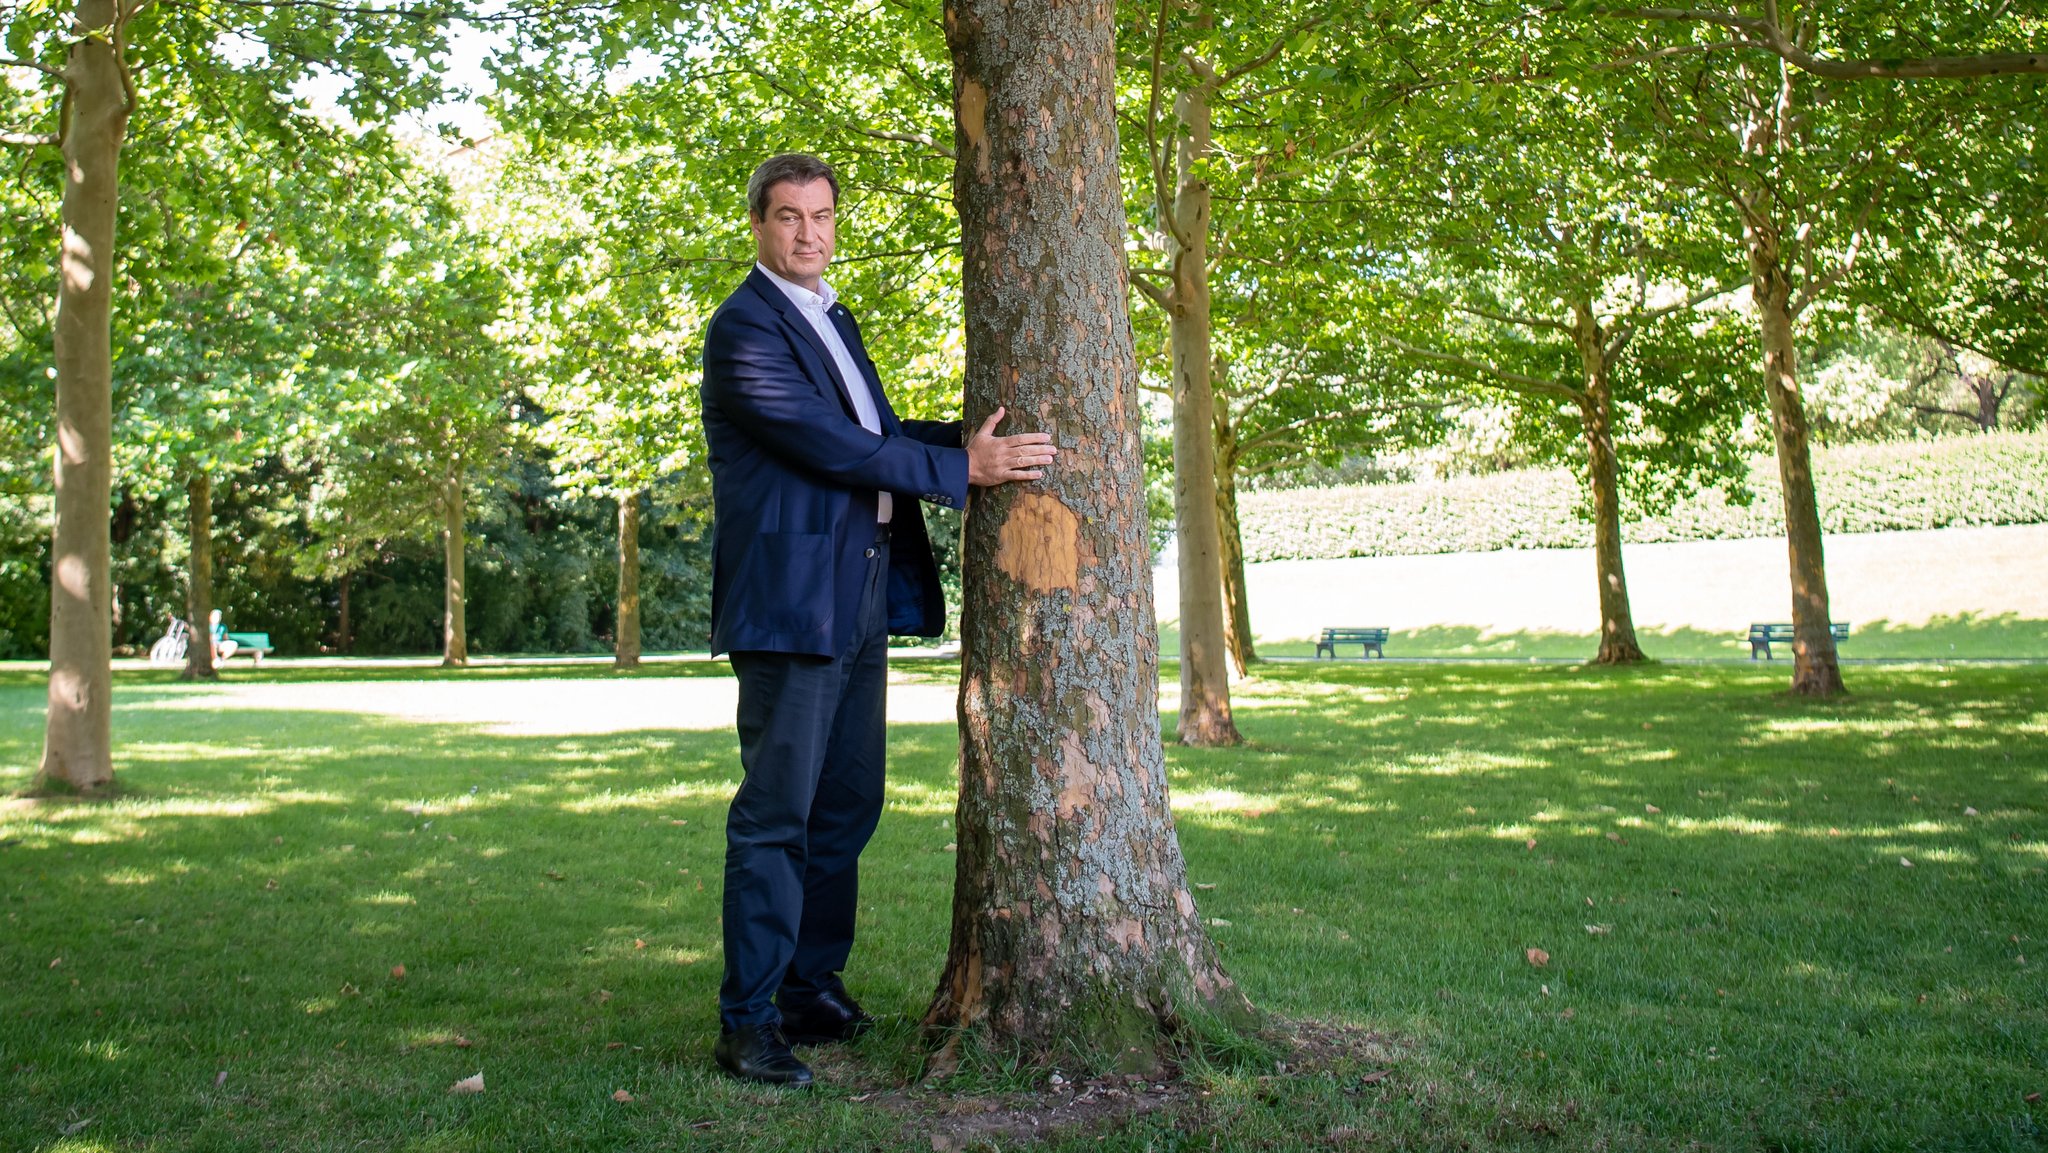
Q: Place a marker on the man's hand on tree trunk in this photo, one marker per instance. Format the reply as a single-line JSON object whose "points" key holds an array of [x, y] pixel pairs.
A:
{"points": [[994, 460]]}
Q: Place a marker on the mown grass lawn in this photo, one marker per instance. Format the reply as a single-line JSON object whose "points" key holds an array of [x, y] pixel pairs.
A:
{"points": [[1740, 955]]}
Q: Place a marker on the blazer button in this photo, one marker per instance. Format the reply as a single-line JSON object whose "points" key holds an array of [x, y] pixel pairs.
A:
{"points": [[870, 554]]}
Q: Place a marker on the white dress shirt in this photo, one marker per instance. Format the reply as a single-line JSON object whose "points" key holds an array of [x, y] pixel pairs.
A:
{"points": [[817, 307]]}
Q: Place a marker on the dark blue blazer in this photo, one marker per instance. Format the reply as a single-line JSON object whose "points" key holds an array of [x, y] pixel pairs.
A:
{"points": [[793, 483]]}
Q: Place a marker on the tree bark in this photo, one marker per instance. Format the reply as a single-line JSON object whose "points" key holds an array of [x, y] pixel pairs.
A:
{"points": [[1815, 669], [1237, 611], [454, 629], [1204, 681], [1074, 927], [77, 740], [1618, 645], [626, 648], [343, 640], [199, 579]]}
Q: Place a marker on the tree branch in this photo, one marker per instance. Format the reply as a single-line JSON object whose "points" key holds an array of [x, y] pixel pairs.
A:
{"points": [[1271, 53], [1767, 34], [49, 68], [1512, 381], [1511, 318]]}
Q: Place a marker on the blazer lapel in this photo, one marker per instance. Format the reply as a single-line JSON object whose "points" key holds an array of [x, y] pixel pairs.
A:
{"points": [[849, 332], [792, 316]]}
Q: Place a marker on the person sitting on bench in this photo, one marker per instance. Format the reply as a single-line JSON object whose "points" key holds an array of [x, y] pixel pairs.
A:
{"points": [[223, 648]]}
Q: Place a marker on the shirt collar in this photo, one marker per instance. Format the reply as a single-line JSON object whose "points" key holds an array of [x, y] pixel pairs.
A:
{"points": [[804, 298]]}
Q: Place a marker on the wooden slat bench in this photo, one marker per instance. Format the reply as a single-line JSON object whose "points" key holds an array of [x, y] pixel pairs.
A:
{"points": [[1374, 641], [1763, 636], [255, 644]]}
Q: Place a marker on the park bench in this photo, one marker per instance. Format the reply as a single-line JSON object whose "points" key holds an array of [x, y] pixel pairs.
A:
{"points": [[1374, 641], [255, 644], [1763, 636]]}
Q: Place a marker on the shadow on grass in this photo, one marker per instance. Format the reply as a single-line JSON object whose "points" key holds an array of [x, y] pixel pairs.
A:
{"points": [[1736, 954]]}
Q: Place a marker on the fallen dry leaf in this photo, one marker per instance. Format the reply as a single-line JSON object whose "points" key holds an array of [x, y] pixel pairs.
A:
{"points": [[1205, 887], [1530, 843], [614, 1044], [1652, 809], [2032, 1097], [75, 1126], [639, 944], [1544, 989], [1903, 861], [56, 962], [951, 847], [1375, 1077], [623, 1097], [468, 1085], [1219, 921], [1568, 1014], [462, 1042], [220, 1078], [1969, 811], [398, 972], [1615, 837], [1599, 930], [270, 884], [603, 995], [1537, 957]]}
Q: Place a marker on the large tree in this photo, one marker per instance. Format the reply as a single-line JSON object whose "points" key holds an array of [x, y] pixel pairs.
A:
{"points": [[1800, 175], [1536, 255], [613, 350], [1073, 919], [100, 58]]}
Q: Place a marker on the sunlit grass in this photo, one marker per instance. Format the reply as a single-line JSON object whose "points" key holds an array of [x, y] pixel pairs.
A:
{"points": [[1771, 923]]}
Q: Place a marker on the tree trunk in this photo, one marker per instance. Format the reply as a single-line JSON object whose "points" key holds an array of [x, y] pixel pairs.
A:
{"points": [[454, 629], [1815, 671], [626, 648], [1618, 644], [77, 741], [199, 579], [1237, 610], [343, 639], [1074, 927], [1204, 681]]}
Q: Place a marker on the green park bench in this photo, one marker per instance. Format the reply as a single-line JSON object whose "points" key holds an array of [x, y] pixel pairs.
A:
{"points": [[255, 644], [1374, 640], [1763, 636]]}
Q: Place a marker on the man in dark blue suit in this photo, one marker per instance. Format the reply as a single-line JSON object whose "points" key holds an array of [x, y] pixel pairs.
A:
{"points": [[819, 555]]}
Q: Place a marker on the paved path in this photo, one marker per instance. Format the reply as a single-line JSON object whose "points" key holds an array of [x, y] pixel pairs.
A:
{"points": [[535, 707], [1904, 578]]}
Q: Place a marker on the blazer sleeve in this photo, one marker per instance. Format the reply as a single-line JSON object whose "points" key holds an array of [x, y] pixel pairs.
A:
{"points": [[938, 433], [751, 376]]}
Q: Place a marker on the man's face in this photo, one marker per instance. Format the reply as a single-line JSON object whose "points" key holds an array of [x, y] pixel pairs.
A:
{"points": [[794, 241]]}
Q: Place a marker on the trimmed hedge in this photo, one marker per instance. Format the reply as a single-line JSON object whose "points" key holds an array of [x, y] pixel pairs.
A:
{"points": [[1975, 480]]}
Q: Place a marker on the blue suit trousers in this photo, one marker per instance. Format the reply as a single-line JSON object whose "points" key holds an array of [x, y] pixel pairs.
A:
{"points": [[812, 744]]}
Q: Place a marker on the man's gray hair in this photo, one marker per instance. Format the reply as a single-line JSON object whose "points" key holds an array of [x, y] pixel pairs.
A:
{"points": [[790, 167]]}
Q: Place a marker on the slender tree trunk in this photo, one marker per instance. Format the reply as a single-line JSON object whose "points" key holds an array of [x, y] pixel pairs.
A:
{"points": [[77, 740], [1618, 644], [1237, 610], [1074, 927], [627, 646], [1815, 670], [199, 579], [344, 639], [454, 629], [1204, 680]]}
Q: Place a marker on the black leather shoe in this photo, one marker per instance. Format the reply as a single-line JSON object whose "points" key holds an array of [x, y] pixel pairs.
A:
{"points": [[823, 1017], [760, 1053]]}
